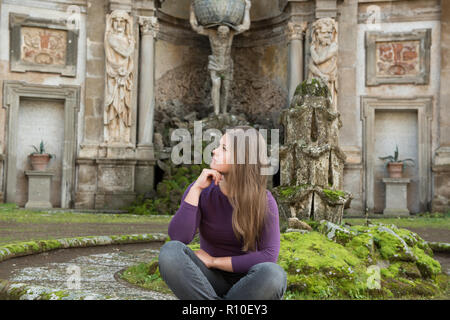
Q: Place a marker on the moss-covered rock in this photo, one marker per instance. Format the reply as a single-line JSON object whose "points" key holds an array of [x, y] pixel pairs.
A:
{"points": [[359, 262], [32, 247], [22, 291], [335, 262], [312, 88]]}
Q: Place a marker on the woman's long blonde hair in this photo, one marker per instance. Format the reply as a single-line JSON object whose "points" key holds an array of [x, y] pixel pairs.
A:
{"points": [[246, 185]]}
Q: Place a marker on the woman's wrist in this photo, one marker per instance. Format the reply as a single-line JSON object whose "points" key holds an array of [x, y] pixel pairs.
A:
{"points": [[193, 195]]}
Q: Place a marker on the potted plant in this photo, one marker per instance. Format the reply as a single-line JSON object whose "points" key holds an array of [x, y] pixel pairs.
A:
{"points": [[394, 165], [40, 158]]}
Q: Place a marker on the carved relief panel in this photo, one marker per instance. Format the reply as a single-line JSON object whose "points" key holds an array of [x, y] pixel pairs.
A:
{"points": [[42, 45], [398, 57]]}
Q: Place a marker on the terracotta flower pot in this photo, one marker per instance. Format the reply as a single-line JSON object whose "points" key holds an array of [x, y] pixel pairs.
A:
{"points": [[395, 169], [39, 162]]}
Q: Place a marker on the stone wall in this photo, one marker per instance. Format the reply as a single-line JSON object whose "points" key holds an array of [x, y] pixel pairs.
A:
{"points": [[441, 167], [35, 17], [270, 59]]}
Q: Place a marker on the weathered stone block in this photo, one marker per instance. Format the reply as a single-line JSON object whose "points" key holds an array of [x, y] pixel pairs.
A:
{"points": [[84, 200], [114, 200], [115, 175], [87, 176], [396, 196], [39, 184], [145, 176]]}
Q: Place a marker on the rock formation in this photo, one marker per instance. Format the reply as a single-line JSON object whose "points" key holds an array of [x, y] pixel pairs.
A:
{"points": [[312, 164]]}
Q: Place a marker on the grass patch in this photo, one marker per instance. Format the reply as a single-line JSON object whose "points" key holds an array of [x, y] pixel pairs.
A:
{"points": [[426, 220], [146, 275], [10, 213]]}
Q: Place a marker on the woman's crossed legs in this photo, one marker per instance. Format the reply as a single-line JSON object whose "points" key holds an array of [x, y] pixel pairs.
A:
{"points": [[188, 277]]}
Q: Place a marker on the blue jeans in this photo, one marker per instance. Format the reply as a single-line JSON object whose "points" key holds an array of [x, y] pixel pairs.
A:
{"points": [[189, 279]]}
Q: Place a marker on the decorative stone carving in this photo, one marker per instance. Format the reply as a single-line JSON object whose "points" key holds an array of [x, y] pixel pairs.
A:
{"points": [[149, 25], [119, 50], [295, 31], [312, 164], [399, 57], [324, 55], [212, 13], [42, 45], [220, 62], [186, 90]]}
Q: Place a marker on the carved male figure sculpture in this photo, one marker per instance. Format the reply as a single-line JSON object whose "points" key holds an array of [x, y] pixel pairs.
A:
{"points": [[324, 50], [119, 49], [220, 62]]}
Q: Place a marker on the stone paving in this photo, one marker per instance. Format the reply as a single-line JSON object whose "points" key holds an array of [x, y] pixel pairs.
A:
{"points": [[96, 275]]}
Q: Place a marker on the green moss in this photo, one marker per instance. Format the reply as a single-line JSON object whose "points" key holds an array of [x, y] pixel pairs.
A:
{"points": [[334, 195], [415, 221], [313, 88], [390, 245], [288, 191], [312, 252], [169, 191], [54, 295], [392, 271], [147, 276], [428, 267], [337, 233], [362, 246], [320, 268]]}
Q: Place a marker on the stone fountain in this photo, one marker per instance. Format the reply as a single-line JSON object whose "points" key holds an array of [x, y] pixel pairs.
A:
{"points": [[312, 164]]}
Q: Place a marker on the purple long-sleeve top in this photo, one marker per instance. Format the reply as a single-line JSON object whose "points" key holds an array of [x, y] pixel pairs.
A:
{"points": [[212, 217]]}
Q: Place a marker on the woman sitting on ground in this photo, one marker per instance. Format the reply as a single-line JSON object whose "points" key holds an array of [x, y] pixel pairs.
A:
{"points": [[237, 218]]}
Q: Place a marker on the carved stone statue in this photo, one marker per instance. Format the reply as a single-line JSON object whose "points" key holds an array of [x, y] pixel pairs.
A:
{"points": [[119, 49], [324, 55], [220, 62]]}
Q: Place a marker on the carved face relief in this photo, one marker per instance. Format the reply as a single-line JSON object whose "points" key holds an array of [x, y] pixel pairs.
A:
{"points": [[325, 35], [324, 32], [119, 25], [223, 32]]}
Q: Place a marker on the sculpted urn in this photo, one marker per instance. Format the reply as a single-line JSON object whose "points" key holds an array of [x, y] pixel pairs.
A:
{"points": [[211, 13]]}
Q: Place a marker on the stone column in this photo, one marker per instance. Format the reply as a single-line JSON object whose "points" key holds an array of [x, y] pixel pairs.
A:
{"points": [[441, 167], [149, 30], [296, 31]]}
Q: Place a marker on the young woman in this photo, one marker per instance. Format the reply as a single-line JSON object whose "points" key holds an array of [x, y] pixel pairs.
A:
{"points": [[237, 218]]}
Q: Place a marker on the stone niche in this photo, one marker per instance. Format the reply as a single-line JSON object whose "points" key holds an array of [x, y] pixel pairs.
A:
{"points": [[407, 122], [42, 45], [40, 119], [396, 127], [44, 112]]}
